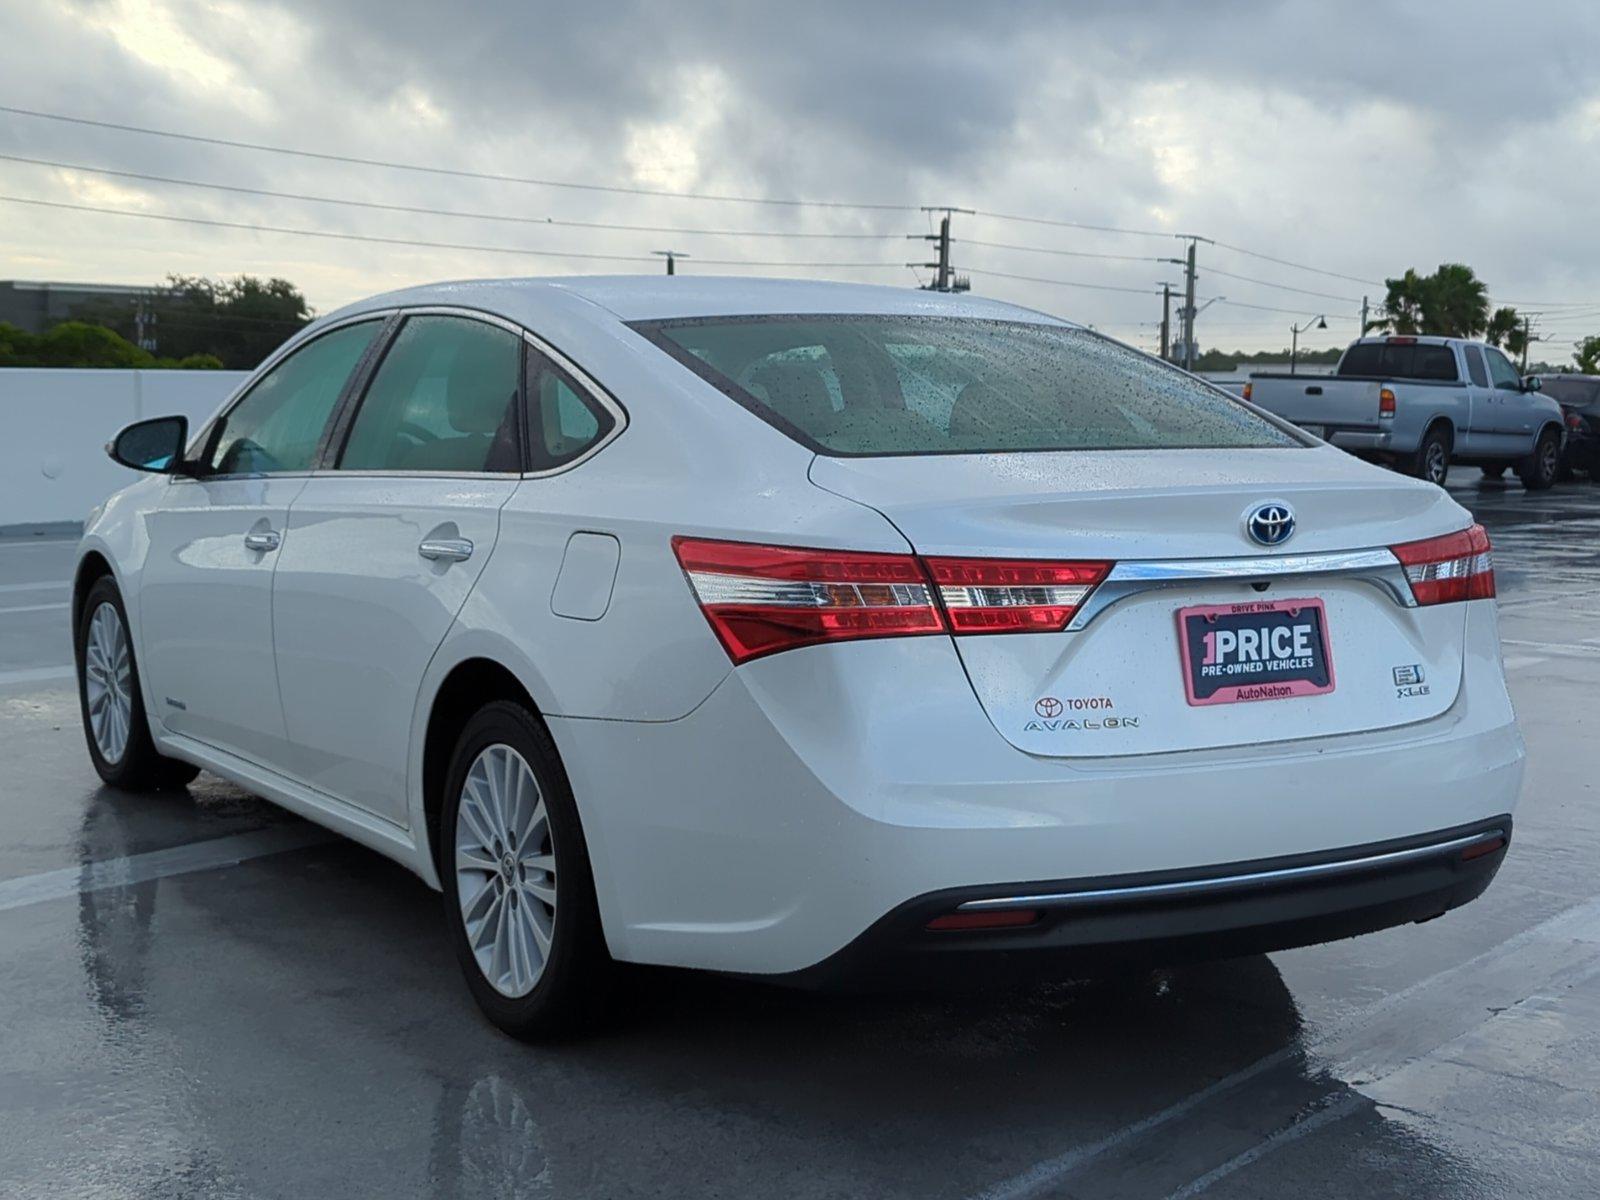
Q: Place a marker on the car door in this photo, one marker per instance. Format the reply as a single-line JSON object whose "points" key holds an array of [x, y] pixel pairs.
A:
{"points": [[1477, 434], [206, 587], [387, 544], [1514, 417]]}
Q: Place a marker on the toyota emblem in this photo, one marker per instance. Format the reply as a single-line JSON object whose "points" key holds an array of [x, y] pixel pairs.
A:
{"points": [[1270, 524], [1047, 707]]}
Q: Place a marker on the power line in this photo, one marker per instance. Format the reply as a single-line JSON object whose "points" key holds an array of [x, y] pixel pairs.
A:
{"points": [[390, 241], [1284, 262], [998, 216], [1098, 287], [454, 172], [1292, 312], [1281, 286], [422, 210], [1144, 258]]}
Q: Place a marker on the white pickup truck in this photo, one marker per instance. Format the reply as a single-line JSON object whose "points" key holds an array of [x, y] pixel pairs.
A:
{"points": [[1421, 403]]}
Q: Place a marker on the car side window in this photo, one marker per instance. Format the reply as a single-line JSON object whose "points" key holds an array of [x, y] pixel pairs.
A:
{"points": [[1505, 375], [443, 399], [564, 420], [1480, 377], [279, 423]]}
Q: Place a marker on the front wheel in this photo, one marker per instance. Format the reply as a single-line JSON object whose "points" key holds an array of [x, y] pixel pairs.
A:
{"points": [[114, 722], [1433, 456], [518, 891], [1542, 467]]}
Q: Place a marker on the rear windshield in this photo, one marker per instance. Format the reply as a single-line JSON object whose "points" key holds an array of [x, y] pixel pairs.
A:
{"points": [[1578, 393], [1402, 361], [889, 385]]}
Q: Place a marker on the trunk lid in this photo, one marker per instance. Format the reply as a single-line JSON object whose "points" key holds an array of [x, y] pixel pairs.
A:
{"points": [[1113, 682]]}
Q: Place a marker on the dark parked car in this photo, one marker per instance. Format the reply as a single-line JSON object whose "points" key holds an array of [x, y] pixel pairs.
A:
{"points": [[1579, 397]]}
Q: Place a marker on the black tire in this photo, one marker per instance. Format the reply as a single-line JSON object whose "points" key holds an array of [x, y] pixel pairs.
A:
{"points": [[573, 984], [137, 766], [1494, 471], [1432, 461], [1543, 466]]}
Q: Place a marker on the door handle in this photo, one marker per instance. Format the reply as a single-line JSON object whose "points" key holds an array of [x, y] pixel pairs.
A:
{"points": [[262, 541], [445, 549]]}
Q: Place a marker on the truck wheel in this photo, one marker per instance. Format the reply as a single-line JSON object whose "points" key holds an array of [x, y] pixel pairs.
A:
{"points": [[1494, 471], [1539, 470], [1433, 456]]}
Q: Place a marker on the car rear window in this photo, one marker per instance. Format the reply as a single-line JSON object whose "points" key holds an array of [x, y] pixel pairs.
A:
{"points": [[902, 385], [1577, 393], [1406, 360]]}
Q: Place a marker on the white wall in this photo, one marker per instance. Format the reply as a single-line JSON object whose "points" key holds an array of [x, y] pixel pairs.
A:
{"points": [[54, 425]]}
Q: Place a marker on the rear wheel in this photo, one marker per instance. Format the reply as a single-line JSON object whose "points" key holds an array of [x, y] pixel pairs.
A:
{"points": [[1541, 468], [518, 891], [1433, 456], [114, 722]]}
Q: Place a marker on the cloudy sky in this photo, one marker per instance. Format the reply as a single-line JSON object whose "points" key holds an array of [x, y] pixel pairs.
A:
{"points": [[1355, 139]]}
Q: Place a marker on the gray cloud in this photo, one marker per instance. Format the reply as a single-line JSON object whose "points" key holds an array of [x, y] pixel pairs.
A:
{"points": [[1361, 137]]}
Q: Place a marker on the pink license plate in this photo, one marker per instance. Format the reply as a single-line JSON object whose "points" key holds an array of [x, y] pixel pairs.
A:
{"points": [[1255, 650]]}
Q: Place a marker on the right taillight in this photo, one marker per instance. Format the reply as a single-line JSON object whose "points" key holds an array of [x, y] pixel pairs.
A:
{"points": [[1385, 402], [1457, 566]]}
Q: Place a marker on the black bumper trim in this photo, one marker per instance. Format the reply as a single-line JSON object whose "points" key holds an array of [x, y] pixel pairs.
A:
{"points": [[1168, 917]]}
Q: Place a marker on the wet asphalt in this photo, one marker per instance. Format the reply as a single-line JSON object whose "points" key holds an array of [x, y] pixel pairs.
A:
{"points": [[201, 996]]}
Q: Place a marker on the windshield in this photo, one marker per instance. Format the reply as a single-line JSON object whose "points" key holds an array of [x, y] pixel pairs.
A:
{"points": [[895, 385], [1400, 360]]}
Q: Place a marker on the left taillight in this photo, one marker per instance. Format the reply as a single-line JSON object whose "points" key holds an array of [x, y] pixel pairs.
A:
{"points": [[763, 599], [1457, 566]]}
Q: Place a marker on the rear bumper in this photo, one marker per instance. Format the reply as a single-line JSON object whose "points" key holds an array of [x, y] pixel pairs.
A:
{"points": [[1160, 918], [1371, 441], [816, 791]]}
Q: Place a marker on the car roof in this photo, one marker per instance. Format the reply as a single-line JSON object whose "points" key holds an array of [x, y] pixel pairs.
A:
{"points": [[667, 297]]}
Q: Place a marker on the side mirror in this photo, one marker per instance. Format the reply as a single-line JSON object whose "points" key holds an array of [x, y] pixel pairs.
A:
{"points": [[1532, 383], [155, 445]]}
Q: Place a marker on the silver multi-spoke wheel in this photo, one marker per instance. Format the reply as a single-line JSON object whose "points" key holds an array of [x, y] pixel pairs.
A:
{"points": [[1437, 463], [505, 870], [108, 683]]}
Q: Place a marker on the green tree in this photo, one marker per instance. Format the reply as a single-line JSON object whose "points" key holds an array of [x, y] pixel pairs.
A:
{"points": [[237, 321], [80, 344], [1452, 301], [1503, 326], [1587, 354]]}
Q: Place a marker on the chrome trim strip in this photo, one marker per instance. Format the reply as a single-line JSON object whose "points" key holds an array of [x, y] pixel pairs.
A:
{"points": [[1187, 887], [1260, 567], [1378, 567]]}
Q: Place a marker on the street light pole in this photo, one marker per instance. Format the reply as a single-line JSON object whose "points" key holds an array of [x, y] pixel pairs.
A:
{"points": [[1296, 331]]}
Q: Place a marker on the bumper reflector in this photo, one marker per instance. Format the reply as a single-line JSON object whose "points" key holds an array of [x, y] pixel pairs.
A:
{"points": [[1003, 918]]}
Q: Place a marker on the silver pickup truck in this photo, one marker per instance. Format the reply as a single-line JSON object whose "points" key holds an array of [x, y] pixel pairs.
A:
{"points": [[1421, 403]]}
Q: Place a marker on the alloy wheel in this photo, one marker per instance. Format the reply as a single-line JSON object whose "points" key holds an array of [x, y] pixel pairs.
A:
{"points": [[1549, 459], [505, 870], [108, 683], [1436, 463]]}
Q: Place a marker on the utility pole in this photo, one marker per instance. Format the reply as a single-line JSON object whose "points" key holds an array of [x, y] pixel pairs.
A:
{"points": [[1527, 339], [1363, 332], [672, 257], [1187, 313], [944, 280], [1166, 321]]}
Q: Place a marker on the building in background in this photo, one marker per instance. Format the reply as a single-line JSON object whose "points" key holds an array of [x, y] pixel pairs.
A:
{"points": [[34, 306]]}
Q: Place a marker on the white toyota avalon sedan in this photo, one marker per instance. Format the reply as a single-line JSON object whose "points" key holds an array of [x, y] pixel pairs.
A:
{"points": [[805, 631]]}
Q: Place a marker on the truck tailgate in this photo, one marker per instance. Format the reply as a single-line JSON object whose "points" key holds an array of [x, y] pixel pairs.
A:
{"points": [[1319, 402]]}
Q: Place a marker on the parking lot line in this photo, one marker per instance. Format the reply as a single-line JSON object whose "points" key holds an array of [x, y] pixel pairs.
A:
{"points": [[157, 864], [36, 675], [58, 606], [45, 586]]}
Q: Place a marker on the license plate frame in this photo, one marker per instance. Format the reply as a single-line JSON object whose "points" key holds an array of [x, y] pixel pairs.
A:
{"points": [[1253, 685]]}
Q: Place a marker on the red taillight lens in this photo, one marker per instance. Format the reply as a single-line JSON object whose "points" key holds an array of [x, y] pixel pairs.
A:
{"points": [[1248, 388], [1574, 421], [762, 599], [1401, 341], [988, 595], [1457, 566], [1385, 402]]}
